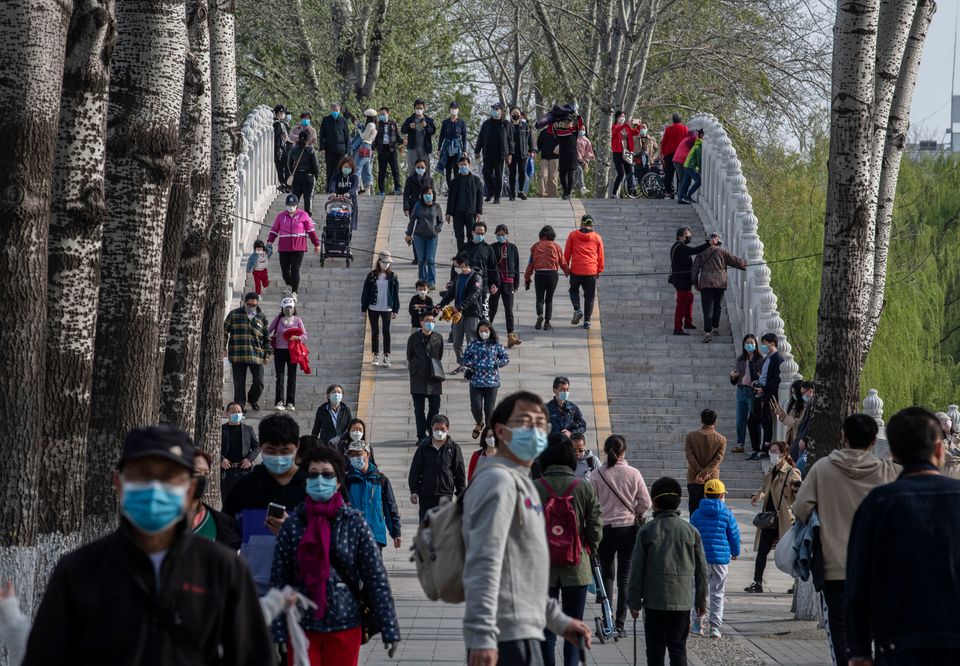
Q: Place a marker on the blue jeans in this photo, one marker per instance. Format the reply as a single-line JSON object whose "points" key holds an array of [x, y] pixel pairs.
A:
{"points": [[426, 251], [744, 403], [573, 602], [365, 169], [689, 177]]}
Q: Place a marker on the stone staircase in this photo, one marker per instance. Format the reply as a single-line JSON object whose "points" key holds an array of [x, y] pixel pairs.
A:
{"points": [[658, 383]]}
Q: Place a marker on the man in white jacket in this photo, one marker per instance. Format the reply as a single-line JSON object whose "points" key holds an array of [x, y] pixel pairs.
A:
{"points": [[507, 563]]}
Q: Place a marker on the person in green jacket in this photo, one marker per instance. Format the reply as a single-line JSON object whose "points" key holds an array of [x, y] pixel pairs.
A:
{"points": [[667, 544], [559, 463], [691, 172]]}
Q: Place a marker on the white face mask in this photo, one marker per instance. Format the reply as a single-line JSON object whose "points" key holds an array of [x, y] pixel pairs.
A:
{"points": [[422, 294], [491, 441], [291, 209], [418, 112], [775, 459], [356, 435], [484, 335], [439, 435]]}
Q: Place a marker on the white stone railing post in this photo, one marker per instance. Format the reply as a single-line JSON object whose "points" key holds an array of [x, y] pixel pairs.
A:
{"points": [[873, 406]]}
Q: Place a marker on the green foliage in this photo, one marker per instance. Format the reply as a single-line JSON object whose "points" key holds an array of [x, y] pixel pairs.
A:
{"points": [[916, 355]]}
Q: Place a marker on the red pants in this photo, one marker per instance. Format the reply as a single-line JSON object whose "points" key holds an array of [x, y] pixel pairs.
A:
{"points": [[684, 312], [337, 648], [260, 280]]}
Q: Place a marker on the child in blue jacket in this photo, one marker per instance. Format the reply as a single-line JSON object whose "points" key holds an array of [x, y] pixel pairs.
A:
{"points": [[721, 543], [257, 264]]}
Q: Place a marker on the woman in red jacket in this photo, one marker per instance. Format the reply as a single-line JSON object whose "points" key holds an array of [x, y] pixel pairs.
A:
{"points": [[488, 447], [621, 138], [292, 227]]}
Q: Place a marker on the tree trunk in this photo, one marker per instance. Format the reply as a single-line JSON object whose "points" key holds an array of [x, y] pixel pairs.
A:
{"points": [[374, 55], [178, 389], [73, 250], [146, 92], [556, 55], [226, 141], [308, 61]]}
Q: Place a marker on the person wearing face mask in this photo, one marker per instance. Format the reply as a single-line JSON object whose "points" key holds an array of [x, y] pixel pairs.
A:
{"points": [[281, 129], [681, 261], [566, 127], [423, 232], [380, 301], [333, 416], [174, 597], [523, 147], [304, 167], [495, 142], [483, 359], [207, 521], [691, 171], [420, 304], [583, 252], [488, 447], [287, 320], [292, 227], [345, 184], [745, 372], [369, 491], [327, 552], [709, 275], [585, 155], [508, 273], [424, 363], [436, 471], [334, 139], [765, 392], [368, 134], [356, 431], [565, 416], [680, 157], [483, 259], [305, 126], [414, 186], [418, 131], [673, 135], [646, 152], [505, 552], [239, 448], [464, 201], [796, 417], [777, 494], [621, 137], [258, 264], [245, 333], [465, 293], [387, 144], [453, 143], [546, 258]]}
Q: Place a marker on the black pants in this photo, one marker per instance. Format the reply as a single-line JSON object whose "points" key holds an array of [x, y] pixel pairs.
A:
{"points": [[331, 159], [589, 284], [505, 294], [545, 283], [303, 184], [617, 544], [282, 365], [387, 158], [379, 320], [482, 402], [666, 630], [427, 502], [525, 652], [493, 176], [695, 493], [919, 657], [760, 422], [282, 170], [667, 173], [711, 300], [768, 539], [568, 162], [624, 171], [573, 601], [290, 268], [422, 414], [229, 478], [462, 227], [239, 371], [518, 169], [834, 615], [450, 169]]}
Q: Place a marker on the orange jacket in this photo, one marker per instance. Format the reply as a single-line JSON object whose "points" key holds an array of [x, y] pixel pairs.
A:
{"points": [[545, 255], [583, 252]]}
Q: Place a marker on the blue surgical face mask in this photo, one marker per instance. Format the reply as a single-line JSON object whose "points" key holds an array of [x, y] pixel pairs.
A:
{"points": [[428, 198], [527, 443], [382, 118], [278, 464], [305, 122], [749, 348], [346, 171], [494, 114], [321, 488], [420, 170], [152, 506], [235, 419], [428, 326], [764, 348], [289, 118], [357, 462], [335, 114], [501, 239], [464, 170], [564, 395], [336, 397], [806, 397], [478, 238]]}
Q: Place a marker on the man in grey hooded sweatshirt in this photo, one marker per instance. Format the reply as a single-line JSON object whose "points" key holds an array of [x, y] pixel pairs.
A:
{"points": [[507, 562], [835, 486]]}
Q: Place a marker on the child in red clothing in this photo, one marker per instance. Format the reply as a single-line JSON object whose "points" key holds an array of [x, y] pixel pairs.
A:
{"points": [[257, 264]]}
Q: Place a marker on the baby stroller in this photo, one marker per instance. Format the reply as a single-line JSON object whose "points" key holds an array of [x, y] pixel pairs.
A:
{"points": [[336, 235]]}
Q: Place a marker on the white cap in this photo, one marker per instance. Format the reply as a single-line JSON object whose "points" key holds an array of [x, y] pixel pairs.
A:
{"points": [[287, 303], [386, 257]]}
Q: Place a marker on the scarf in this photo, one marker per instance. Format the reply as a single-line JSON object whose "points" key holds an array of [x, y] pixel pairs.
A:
{"points": [[313, 553]]}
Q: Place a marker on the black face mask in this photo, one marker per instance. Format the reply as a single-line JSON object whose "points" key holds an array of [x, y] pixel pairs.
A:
{"points": [[686, 240], [201, 487]]}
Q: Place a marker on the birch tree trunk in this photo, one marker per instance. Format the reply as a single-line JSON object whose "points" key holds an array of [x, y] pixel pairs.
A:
{"points": [[73, 249], [30, 97], [188, 280], [226, 141], [143, 120]]}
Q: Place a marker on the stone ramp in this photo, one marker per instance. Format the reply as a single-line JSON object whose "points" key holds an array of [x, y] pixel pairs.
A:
{"points": [[658, 383]]}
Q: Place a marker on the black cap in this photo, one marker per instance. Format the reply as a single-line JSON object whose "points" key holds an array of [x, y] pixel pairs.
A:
{"points": [[496, 105], [279, 108], [292, 200], [159, 441], [454, 105]]}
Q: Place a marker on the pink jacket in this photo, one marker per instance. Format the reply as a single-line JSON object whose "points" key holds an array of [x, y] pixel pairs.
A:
{"points": [[585, 150], [277, 331], [630, 490], [680, 154], [293, 231]]}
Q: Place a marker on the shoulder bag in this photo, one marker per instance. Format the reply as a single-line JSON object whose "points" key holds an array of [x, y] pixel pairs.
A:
{"points": [[638, 520], [299, 157], [770, 520]]}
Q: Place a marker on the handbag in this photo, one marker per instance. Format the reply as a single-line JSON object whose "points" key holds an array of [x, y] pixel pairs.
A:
{"points": [[369, 624], [638, 520], [300, 157], [770, 520], [436, 370]]}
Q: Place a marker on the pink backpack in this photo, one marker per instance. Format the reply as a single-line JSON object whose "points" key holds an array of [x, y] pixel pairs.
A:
{"points": [[563, 534]]}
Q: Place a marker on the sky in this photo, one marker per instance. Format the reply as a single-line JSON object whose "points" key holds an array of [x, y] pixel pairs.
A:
{"points": [[930, 115]]}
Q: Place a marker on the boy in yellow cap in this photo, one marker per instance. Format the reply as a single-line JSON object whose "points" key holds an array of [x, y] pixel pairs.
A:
{"points": [[721, 543]]}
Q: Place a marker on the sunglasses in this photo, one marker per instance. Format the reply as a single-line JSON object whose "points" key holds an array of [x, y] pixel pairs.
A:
{"points": [[317, 475]]}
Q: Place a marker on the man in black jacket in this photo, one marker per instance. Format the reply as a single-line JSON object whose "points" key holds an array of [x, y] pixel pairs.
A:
{"points": [[522, 148], [239, 448], [418, 130], [902, 575], [465, 292], [151, 593], [281, 129], [496, 142], [387, 144], [436, 472], [681, 262], [767, 390], [464, 201], [483, 259], [334, 139]]}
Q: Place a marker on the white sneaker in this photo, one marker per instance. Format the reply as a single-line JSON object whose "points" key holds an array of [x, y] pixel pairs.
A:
{"points": [[280, 407], [583, 191], [293, 295], [376, 359], [714, 632], [386, 361], [287, 291], [291, 408]]}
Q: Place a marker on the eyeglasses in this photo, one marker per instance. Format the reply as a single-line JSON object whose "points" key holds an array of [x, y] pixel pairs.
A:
{"points": [[317, 475]]}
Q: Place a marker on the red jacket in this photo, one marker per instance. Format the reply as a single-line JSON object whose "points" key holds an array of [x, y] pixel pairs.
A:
{"points": [[680, 154], [616, 140], [672, 136], [299, 352], [583, 252], [545, 255], [293, 231]]}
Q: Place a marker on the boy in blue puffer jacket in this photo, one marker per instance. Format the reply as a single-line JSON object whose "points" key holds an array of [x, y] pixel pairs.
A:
{"points": [[721, 542]]}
